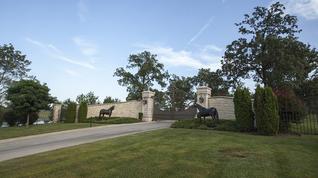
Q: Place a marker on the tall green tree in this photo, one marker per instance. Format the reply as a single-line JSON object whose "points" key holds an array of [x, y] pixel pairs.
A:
{"points": [[214, 80], [88, 98], [179, 93], [269, 51], [29, 96], [13, 66], [141, 73]]}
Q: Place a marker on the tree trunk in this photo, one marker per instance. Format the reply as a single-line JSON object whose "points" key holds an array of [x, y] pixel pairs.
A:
{"points": [[28, 120]]}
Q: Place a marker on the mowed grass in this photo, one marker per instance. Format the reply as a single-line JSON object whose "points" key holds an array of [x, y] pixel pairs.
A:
{"points": [[12, 132], [176, 153]]}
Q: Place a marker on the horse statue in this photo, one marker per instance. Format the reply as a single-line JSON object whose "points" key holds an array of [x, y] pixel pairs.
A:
{"points": [[203, 112], [108, 112]]}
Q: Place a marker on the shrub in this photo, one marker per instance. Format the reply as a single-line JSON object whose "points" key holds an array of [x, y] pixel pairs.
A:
{"points": [[140, 115], [82, 112], [266, 111], [224, 125], [70, 114], [243, 109], [12, 117]]}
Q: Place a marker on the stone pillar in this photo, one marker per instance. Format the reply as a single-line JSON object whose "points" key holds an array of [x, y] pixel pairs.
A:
{"points": [[203, 95], [56, 112], [147, 105]]}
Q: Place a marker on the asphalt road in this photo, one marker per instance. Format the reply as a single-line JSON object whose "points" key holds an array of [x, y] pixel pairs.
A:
{"points": [[23, 146]]}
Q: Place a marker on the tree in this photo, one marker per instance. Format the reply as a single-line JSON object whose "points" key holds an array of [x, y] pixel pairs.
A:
{"points": [[109, 99], [266, 111], [28, 96], [179, 93], [82, 112], [88, 98], [70, 115], [13, 65], [214, 80], [148, 72], [270, 52], [243, 109]]}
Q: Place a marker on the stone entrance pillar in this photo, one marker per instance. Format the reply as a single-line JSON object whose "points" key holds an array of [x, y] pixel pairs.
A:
{"points": [[203, 95], [147, 105], [56, 112]]}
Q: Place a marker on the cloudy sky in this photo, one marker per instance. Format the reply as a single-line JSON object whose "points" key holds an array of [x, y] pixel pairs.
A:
{"points": [[76, 45]]}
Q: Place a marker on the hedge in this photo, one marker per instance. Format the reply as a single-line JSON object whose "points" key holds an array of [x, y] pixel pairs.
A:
{"points": [[70, 114], [266, 111], [243, 109], [82, 112]]}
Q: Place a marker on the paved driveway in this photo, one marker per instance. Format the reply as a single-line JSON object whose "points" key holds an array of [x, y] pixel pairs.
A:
{"points": [[23, 146]]}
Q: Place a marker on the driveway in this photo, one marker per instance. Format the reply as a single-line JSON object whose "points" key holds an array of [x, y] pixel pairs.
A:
{"points": [[23, 146]]}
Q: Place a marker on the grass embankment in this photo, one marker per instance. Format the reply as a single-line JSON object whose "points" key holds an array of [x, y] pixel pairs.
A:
{"points": [[12, 132], [176, 153]]}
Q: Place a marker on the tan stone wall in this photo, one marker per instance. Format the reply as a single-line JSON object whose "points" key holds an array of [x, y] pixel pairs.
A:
{"points": [[224, 105], [124, 109]]}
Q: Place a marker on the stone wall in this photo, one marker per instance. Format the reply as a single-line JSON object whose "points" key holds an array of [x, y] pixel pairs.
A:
{"points": [[224, 105], [122, 109]]}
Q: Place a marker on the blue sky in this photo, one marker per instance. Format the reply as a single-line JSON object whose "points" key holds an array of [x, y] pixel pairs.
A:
{"points": [[76, 45]]}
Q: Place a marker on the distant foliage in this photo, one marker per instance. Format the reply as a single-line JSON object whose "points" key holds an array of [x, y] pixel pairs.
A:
{"points": [[82, 112], [70, 114], [13, 118], [266, 111], [243, 109], [109, 99]]}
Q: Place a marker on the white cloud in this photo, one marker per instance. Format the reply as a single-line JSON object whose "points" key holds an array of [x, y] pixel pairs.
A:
{"points": [[212, 47], [82, 10], [203, 28], [56, 53], [87, 48], [184, 58], [71, 72], [305, 8]]}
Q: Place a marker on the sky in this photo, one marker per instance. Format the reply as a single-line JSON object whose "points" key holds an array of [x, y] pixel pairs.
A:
{"points": [[76, 45]]}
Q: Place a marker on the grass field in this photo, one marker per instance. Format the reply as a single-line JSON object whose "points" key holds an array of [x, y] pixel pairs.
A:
{"points": [[12, 132], [176, 153]]}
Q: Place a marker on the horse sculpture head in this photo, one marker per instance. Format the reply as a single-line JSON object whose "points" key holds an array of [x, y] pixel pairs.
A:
{"points": [[112, 108]]}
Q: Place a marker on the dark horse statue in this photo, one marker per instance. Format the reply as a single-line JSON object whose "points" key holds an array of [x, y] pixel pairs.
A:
{"points": [[203, 112], [108, 112]]}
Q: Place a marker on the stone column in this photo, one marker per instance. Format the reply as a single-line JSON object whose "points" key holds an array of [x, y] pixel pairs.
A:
{"points": [[147, 105], [203, 95], [56, 112]]}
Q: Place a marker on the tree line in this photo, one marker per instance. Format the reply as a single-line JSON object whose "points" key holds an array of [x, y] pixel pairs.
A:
{"points": [[268, 51]]}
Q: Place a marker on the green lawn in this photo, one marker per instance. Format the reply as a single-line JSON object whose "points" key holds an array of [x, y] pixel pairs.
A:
{"points": [[176, 153], [12, 132]]}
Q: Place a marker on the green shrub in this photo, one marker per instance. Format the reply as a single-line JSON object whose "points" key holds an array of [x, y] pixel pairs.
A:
{"points": [[112, 120], [243, 109], [224, 125], [70, 114], [13, 118], [140, 115], [266, 111], [82, 112]]}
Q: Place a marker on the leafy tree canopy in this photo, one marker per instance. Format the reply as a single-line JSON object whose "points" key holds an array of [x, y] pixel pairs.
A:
{"points": [[179, 93], [28, 96], [141, 73], [269, 52], [214, 80], [88, 98], [13, 66]]}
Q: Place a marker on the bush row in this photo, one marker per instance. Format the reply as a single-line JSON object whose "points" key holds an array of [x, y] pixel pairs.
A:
{"points": [[265, 108]]}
